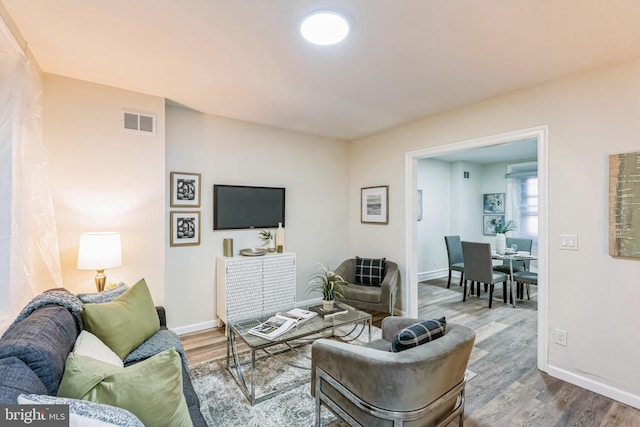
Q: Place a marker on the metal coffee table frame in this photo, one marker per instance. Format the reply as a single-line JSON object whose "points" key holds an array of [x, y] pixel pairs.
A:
{"points": [[304, 333]]}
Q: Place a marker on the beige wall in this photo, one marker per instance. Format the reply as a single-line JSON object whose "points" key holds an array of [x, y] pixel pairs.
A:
{"points": [[591, 295], [104, 179], [314, 171]]}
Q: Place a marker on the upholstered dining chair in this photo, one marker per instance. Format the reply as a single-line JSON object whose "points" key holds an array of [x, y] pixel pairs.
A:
{"points": [[375, 295], [478, 268], [456, 260], [527, 278], [368, 385], [524, 245]]}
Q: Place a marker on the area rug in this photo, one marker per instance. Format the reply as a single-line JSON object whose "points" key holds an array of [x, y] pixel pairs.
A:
{"points": [[223, 403]]}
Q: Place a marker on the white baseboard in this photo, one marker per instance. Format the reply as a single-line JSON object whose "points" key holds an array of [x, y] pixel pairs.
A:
{"points": [[597, 387], [435, 274], [197, 327]]}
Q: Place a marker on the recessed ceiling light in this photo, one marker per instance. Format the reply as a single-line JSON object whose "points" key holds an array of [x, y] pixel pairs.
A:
{"points": [[324, 27]]}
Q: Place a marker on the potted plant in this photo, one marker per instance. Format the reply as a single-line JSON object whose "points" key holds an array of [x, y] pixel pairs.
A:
{"points": [[330, 284], [267, 238], [501, 230]]}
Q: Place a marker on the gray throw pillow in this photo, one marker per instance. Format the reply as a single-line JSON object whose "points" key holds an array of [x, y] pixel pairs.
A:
{"points": [[418, 333]]}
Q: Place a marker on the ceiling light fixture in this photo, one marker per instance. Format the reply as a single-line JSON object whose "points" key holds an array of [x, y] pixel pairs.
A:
{"points": [[324, 27]]}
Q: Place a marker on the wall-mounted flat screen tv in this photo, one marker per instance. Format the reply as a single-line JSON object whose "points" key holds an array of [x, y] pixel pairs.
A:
{"points": [[240, 206]]}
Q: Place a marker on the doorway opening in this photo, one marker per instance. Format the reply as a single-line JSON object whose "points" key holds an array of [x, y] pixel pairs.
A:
{"points": [[540, 137]]}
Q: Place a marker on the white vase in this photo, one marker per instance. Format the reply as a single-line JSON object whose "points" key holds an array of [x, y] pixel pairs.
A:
{"points": [[280, 238], [327, 305], [272, 246], [501, 243]]}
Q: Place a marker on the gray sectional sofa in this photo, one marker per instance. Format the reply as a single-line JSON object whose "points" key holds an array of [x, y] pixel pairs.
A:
{"points": [[34, 350]]}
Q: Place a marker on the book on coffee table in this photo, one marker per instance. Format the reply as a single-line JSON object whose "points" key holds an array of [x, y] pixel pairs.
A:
{"points": [[273, 327], [337, 309], [299, 315]]}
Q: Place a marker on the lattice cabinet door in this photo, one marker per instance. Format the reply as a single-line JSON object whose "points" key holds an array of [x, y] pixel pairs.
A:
{"points": [[241, 286], [279, 279]]}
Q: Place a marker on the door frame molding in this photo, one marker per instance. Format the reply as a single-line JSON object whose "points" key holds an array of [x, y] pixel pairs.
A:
{"points": [[540, 133]]}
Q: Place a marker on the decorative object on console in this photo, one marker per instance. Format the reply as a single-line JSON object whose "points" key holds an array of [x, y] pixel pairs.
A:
{"points": [[227, 245], [267, 238], [330, 284], [280, 238], [185, 190], [185, 229], [253, 251], [99, 251], [374, 205]]}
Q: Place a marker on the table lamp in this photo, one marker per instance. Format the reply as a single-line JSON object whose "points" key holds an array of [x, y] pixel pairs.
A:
{"points": [[99, 251]]}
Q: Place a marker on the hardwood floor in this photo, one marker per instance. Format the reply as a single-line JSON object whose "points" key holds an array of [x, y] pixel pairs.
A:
{"points": [[507, 388]]}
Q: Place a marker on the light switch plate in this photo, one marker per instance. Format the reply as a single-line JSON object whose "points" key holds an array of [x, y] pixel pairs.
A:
{"points": [[568, 242]]}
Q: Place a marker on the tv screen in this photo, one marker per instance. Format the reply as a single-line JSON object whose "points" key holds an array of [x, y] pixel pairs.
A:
{"points": [[239, 206]]}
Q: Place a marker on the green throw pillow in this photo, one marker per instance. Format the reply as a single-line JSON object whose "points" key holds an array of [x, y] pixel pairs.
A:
{"points": [[151, 389], [124, 323]]}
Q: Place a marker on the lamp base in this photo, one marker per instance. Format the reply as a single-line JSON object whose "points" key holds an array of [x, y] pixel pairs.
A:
{"points": [[101, 279]]}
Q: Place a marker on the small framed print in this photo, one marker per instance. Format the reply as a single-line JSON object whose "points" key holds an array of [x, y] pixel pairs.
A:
{"points": [[185, 189], [493, 203], [374, 205], [489, 224], [185, 229]]}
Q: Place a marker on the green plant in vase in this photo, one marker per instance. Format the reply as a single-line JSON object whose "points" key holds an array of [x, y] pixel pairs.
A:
{"points": [[330, 284], [267, 238], [500, 228]]}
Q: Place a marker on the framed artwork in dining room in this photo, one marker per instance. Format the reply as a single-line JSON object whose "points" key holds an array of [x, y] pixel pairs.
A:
{"points": [[374, 205], [489, 223], [185, 189], [493, 203], [185, 228]]}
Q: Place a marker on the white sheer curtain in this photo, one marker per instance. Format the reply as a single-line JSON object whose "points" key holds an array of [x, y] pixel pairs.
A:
{"points": [[29, 256], [522, 204]]}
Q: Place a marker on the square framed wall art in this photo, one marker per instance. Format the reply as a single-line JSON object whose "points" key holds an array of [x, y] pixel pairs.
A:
{"points": [[374, 205], [185, 189], [493, 203], [185, 229], [489, 223]]}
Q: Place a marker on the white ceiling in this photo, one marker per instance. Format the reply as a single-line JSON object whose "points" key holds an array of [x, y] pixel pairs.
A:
{"points": [[404, 60]]}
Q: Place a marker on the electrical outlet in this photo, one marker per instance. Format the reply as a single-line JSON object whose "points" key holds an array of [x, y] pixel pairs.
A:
{"points": [[561, 337]]}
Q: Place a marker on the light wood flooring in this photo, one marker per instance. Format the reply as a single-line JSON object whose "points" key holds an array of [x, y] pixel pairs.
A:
{"points": [[508, 389]]}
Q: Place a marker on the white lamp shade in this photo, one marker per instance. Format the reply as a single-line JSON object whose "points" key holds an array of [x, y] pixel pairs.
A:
{"points": [[99, 251]]}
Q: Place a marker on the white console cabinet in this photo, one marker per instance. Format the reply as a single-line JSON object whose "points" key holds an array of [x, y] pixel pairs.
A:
{"points": [[252, 287]]}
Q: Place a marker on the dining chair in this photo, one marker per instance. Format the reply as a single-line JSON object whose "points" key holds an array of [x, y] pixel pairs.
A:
{"points": [[527, 278], [524, 245], [456, 260], [479, 269]]}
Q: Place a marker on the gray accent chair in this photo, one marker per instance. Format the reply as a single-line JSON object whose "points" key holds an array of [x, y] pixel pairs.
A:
{"points": [[524, 245], [479, 269], [369, 385], [375, 298], [456, 259]]}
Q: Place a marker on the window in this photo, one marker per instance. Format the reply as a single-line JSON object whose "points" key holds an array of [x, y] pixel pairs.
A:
{"points": [[522, 207]]}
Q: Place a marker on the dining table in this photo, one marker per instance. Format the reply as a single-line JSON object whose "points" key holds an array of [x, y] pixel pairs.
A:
{"points": [[513, 256]]}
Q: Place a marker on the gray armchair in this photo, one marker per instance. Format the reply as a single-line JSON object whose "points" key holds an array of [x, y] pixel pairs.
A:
{"points": [[371, 386], [376, 298]]}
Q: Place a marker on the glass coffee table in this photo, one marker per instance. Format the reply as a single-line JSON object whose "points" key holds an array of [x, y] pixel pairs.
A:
{"points": [[303, 334]]}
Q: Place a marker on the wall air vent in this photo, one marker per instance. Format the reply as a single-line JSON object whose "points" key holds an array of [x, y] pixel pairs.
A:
{"points": [[139, 122]]}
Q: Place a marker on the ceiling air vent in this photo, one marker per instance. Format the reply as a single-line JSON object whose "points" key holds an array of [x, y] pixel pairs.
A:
{"points": [[138, 122]]}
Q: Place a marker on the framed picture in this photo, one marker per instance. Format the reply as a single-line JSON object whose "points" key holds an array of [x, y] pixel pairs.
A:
{"points": [[185, 229], [493, 203], [374, 205], [489, 224], [185, 190]]}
